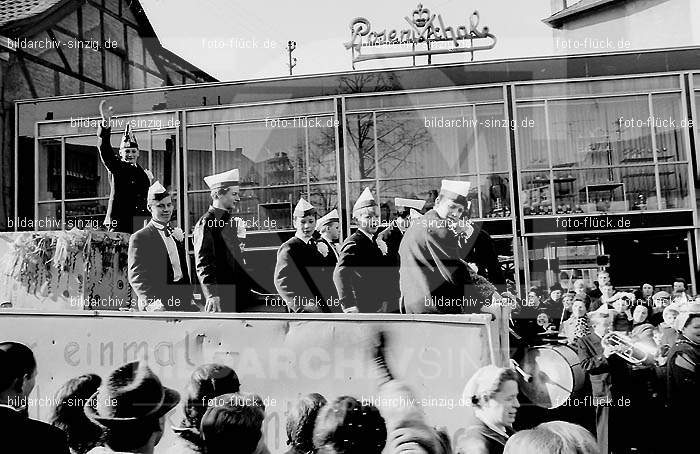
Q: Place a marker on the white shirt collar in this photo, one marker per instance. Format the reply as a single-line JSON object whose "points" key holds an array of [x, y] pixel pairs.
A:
{"points": [[157, 225]]}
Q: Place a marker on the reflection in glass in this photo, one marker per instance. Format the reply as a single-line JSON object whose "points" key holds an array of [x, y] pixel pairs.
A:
{"points": [[50, 216], [492, 139], [536, 196], [199, 162], [264, 156], [495, 196], [269, 208], [197, 204], [640, 187], [674, 186], [49, 170], [322, 153], [600, 132], [360, 146], [86, 214], [86, 176], [667, 126], [324, 197], [163, 159], [532, 141]]}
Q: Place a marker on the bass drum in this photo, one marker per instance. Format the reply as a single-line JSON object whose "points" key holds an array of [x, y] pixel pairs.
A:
{"points": [[556, 374]]}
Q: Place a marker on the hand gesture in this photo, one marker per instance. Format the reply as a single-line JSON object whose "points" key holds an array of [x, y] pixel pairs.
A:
{"points": [[213, 304], [106, 114]]}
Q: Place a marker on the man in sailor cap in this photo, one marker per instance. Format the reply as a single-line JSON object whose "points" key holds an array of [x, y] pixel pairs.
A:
{"points": [[389, 240], [358, 274], [157, 258], [434, 276], [217, 248], [126, 209], [299, 272]]}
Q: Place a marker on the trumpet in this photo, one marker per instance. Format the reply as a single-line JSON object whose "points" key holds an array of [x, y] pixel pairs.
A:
{"points": [[624, 347]]}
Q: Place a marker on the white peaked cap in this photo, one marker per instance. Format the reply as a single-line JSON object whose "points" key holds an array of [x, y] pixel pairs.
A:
{"points": [[303, 208], [331, 216], [222, 180], [157, 191], [365, 200], [455, 190], [480, 383], [409, 203], [414, 214]]}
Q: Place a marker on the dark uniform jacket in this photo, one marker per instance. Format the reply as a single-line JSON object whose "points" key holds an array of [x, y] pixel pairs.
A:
{"points": [[434, 278], [129, 188], [482, 252], [357, 275], [328, 289], [25, 435], [219, 260], [151, 273], [481, 439], [683, 374], [300, 276], [388, 241]]}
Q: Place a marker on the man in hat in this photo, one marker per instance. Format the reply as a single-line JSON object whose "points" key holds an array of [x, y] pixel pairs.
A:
{"points": [[157, 258], [434, 277], [131, 404], [20, 433], [299, 272], [683, 377], [129, 182], [329, 228], [389, 240], [358, 274], [217, 248]]}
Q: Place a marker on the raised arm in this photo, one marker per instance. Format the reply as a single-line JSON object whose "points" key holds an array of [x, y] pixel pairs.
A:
{"points": [[104, 131]]}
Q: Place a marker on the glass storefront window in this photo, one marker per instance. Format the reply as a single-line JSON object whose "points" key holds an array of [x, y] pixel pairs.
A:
{"points": [[199, 157], [50, 215], [163, 160], [536, 196], [532, 145], [674, 182], [50, 170], [360, 158], [599, 132], [86, 176], [668, 127], [86, 214], [495, 195], [492, 138]]}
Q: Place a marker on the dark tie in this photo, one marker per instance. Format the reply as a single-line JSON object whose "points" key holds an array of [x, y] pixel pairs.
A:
{"points": [[168, 230]]}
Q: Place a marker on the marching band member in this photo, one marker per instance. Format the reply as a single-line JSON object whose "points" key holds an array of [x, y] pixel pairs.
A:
{"points": [[358, 275], [129, 182], [493, 392], [434, 277], [389, 240], [299, 272], [683, 377], [217, 249], [157, 258]]}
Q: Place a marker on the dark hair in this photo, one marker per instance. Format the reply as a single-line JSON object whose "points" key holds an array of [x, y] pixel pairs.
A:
{"points": [[345, 426], [691, 317], [69, 416], [556, 287], [233, 420], [131, 436], [206, 382], [680, 279], [16, 361], [300, 422]]}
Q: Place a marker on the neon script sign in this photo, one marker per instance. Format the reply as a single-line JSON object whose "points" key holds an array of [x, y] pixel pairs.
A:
{"points": [[424, 30]]}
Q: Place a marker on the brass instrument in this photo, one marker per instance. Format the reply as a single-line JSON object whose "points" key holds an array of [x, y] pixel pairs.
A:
{"points": [[625, 347]]}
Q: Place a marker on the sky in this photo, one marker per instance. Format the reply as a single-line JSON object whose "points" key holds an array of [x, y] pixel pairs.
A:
{"points": [[235, 40]]}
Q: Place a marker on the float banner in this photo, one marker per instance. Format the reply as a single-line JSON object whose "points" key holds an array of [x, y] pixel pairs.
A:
{"points": [[278, 357]]}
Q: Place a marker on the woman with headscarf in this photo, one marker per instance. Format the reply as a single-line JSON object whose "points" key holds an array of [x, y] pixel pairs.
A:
{"points": [[493, 392]]}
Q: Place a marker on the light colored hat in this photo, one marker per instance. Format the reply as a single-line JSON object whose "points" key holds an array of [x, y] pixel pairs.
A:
{"points": [[128, 138], [455, 190], [365, 200], [409, 203], [481, 383], [303, 209], [414, 215], [223, 179], [684, 314], [331, 216], [157, 192]]}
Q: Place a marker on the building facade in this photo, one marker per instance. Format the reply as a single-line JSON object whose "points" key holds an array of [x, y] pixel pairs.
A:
{"points": [[577, 164], [67, 47]]}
